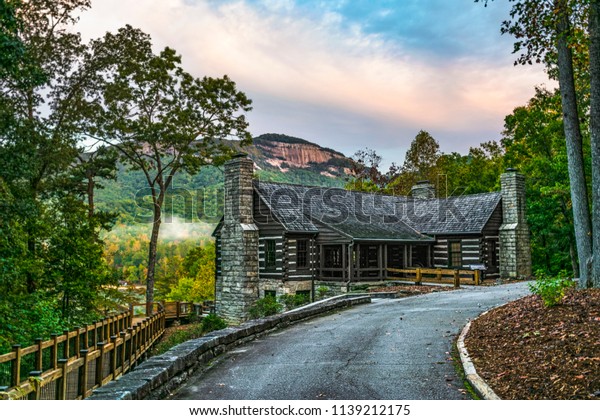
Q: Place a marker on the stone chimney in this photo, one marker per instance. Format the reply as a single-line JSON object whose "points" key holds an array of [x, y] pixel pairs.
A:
{"points": [[423, 189], [237, 285], [515, 248]]}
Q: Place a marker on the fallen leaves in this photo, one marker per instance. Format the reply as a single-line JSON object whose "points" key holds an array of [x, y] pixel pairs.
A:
{"points": [[527, 351]]}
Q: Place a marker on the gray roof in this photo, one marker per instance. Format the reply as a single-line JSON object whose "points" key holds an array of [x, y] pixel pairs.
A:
{"points": [[375, 216]]}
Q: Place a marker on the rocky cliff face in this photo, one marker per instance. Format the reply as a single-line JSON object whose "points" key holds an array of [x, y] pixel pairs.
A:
{"points": [[277, 152]]}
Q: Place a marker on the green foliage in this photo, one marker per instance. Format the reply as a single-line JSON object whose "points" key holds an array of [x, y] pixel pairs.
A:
{"points": [[322, 291], [293, 301], [179, 336], [213, 322], [551, 290], [265, 307], [198, 329], [535, 144], [178, 132]]}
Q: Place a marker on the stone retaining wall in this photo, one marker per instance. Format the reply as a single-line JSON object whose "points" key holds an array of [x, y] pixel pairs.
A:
{"points": [[158, 376]]}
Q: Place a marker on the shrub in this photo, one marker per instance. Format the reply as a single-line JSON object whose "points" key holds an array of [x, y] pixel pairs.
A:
{"points": [[265, 307], [213, 322], [551, 290], [322, 291], [293, 301], [188, 332]]}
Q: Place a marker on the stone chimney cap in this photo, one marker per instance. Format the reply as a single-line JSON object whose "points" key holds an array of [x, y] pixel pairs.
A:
{"points": [[423, 182], [240, 155], [511, 170]]}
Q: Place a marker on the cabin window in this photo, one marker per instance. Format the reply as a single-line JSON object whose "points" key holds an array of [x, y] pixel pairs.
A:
{"points": [[302, 254], [270, 261], [454, 254], [333, 256]]}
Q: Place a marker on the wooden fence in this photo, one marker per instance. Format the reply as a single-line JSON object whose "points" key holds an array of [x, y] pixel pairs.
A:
{"points": [[436, 275], [69, 366]]}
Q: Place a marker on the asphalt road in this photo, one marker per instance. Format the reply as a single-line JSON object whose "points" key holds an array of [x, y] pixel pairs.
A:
{"points": [[390, 349]]}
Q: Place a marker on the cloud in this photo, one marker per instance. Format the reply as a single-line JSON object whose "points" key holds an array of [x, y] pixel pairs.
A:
{"points": [[399, 67]]}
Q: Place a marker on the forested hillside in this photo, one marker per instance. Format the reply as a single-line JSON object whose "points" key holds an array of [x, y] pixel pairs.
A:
{"points": [[277, 157]]}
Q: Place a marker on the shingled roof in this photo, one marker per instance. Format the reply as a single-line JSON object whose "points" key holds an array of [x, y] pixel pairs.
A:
{"points": [[366, 216]]}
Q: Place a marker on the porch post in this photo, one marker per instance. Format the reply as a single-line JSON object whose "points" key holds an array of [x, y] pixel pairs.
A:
{"points": [[343, 262], [321, 258], [358, 262], [379, 261], [385, 261]]}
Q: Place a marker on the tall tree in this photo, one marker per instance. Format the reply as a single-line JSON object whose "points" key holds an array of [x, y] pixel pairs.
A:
{"points": [[419, 164], [37, 143], [545, 32], [161, 119], [365, 174], [10, 44], [50, 254], [534, 143], [579, 191], [594, 30]]}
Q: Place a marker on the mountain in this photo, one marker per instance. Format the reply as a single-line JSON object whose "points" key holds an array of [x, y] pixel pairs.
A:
{"points": [[277, 158], [282, 158]]}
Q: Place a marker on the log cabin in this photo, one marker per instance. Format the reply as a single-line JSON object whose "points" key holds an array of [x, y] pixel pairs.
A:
{"points": [[279, 239]]}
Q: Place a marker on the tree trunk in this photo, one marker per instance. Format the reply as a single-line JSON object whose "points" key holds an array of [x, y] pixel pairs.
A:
{"points": [[152, 255], [90, 195], [594, 28], [579, 197], [573, 255]]}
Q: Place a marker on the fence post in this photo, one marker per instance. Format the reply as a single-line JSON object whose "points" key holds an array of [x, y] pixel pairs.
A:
{"points": [[38, 355], [100, 364], [123, 335], [419, 277], [439, 275], [113, 359], [131, 347], [138, 339], [37, 386], [16, 365], [456, 279], [66, 349], [78, 341], [54, 350], [477, 276], [62, 382], [83, 373]]}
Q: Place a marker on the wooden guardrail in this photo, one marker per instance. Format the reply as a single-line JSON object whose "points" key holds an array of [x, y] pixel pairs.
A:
{"points": [[435, 275], [71, 365]]}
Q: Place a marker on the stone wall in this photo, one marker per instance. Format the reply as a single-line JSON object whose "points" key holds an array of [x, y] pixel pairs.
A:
{"points": [[284, 288], [237, 284], [515, 247], [160, 375]]}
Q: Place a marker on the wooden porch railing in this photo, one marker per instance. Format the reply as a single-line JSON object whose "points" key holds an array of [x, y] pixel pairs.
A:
{"points": [[71, 365], [435, 275]]}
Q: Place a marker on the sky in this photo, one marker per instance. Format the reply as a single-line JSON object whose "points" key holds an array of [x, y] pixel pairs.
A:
{"points": [[346, 74]]}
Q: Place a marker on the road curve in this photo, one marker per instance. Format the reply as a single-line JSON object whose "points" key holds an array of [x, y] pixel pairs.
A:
{"points": [[390, 349]]}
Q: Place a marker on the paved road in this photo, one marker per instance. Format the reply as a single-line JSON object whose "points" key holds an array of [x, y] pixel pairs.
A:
{"points": [[389, 349]]}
